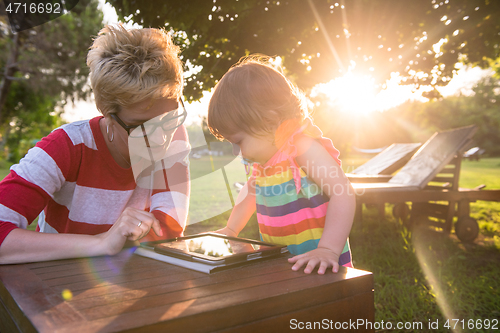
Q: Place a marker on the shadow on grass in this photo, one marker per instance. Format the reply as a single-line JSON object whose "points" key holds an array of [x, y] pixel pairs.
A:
{"points": [[424, 275]]}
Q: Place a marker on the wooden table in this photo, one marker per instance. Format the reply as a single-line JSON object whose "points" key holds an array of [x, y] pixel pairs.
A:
{"points": [[131, 293]]}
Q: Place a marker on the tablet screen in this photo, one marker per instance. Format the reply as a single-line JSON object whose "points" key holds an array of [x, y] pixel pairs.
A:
{"points": [[213, 247]]}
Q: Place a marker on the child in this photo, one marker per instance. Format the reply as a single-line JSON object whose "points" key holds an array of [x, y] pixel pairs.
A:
{"points": [[302, 197]]}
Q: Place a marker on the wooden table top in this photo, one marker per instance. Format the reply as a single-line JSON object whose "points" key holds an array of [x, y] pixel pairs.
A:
{"points": [[132, 293]]}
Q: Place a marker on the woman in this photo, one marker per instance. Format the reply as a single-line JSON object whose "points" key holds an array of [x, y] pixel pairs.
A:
{"points": [[97, 183]]}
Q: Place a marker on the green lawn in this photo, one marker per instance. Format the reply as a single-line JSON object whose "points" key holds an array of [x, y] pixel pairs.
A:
{"points": [[424, 275], [210, 195], [486, 171]]}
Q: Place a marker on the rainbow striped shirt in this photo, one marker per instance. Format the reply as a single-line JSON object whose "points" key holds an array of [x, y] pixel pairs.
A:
{"points": [[291, 208]]}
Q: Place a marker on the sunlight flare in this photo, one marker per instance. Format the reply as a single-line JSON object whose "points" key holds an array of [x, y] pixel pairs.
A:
{"points": [[358, 95], [352, 93], [425, 257]]}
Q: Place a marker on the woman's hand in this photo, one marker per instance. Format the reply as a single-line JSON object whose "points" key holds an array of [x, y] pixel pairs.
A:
{"points": [[322, 256], [133, 224]]}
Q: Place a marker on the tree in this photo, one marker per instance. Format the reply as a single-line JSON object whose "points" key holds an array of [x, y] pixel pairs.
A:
{"points": [[480, 108], [31, 116], [321, 39], [51, 57], [42, 69]]}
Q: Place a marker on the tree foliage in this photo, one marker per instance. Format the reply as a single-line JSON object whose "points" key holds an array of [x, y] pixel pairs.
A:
{"points": [[482, 108], [321, 39], [31, 117], [51, 57], [42, 69]]}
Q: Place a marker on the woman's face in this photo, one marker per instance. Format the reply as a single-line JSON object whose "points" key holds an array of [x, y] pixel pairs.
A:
{"points": [[155, 122]]}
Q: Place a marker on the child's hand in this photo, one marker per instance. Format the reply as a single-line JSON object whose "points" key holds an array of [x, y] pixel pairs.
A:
{"points": [[322, 256], [226, 231]]}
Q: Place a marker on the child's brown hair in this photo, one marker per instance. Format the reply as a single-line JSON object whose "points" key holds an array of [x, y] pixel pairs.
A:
{"points": [[254, 97]]}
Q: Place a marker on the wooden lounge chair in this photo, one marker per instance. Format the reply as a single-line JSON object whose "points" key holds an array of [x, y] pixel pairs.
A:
{"points": [[381, 167], [430, 176]]}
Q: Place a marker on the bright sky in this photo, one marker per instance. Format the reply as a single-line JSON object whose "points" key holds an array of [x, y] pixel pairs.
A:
{"points": [[353, 93], [357, 94]]}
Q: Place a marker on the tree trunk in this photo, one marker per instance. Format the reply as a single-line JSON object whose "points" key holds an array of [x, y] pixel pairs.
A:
{"points": [[3, 141], [10, 70]]}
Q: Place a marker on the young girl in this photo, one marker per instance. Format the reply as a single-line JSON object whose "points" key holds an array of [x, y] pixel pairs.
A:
{"points": [[302, 197]]}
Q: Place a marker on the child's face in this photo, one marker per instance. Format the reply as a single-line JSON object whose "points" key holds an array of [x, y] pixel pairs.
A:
{"points": [[254, 148]]}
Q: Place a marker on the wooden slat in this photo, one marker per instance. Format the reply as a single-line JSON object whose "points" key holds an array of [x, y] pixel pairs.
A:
{"points": [[108, 277], [456, 176], [352, 308], [58, 264], [7, 323], [80, 265], [53, 263], [447, 170], [99, 268], [441, 194], [473, 195], [353, 178], [443, 179], [435, 187]]}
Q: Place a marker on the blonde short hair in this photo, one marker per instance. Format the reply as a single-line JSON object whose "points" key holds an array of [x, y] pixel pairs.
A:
{"points": [[254, 97], [128, 66]]}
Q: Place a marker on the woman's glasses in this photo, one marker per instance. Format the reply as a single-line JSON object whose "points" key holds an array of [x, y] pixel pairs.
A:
{"points": [[168, 122]]}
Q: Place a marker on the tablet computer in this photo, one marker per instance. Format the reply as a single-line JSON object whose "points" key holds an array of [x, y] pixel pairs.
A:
{"points": [[217, 249]]}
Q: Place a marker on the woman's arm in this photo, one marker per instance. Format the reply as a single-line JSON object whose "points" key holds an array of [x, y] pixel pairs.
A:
{"points": [[242, 211], [172, 187], [22, 245], [327, 174], [170, 205]]}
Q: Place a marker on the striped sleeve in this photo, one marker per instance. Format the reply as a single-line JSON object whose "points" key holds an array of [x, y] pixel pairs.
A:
{"points": [[170, 204], [31, 183]]}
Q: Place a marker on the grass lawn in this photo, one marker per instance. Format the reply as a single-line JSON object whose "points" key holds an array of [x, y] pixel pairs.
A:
{"points": [[487, 172], [424, 275], [210, 195]]}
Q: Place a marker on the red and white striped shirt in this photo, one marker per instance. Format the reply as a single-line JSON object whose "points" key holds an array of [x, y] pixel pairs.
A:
{"points": [[75, 186]]}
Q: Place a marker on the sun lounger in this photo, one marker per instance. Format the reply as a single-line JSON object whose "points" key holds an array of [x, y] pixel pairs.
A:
{"points": [[431, 175], [381, 167]]}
